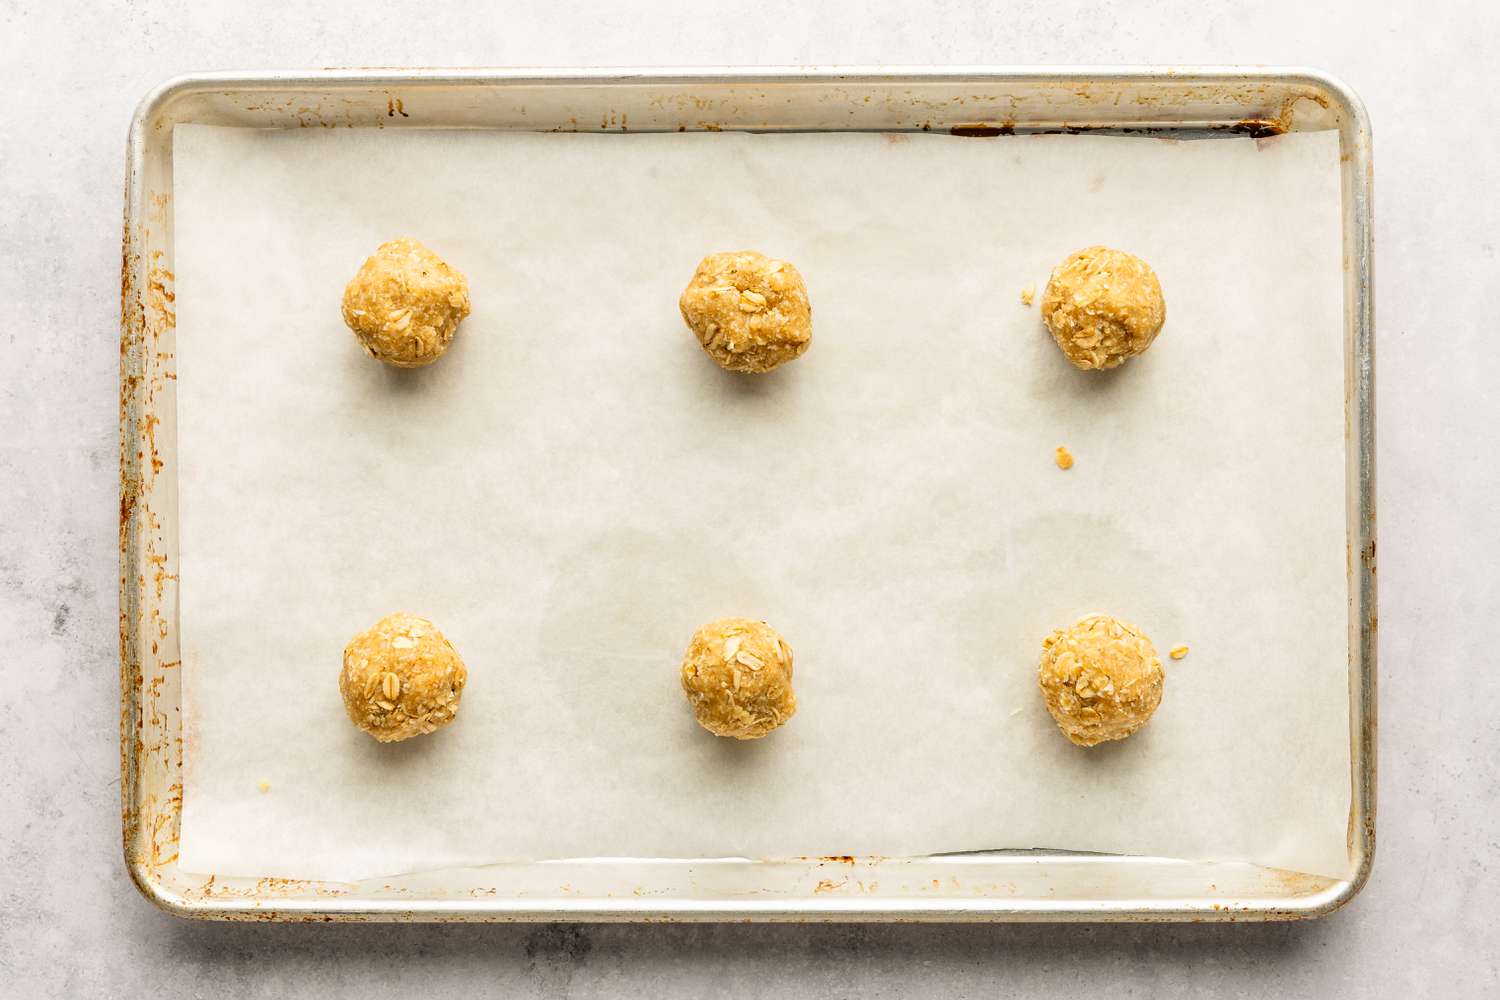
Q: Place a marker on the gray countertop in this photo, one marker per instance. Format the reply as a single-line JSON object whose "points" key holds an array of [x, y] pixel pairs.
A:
{"points": [[71, 925]]}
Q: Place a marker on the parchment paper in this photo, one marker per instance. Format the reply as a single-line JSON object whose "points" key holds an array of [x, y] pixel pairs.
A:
{"points": [[574, 488]]}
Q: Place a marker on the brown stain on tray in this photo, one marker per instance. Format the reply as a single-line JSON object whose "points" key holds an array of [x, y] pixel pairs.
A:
{"points": [[1259, 128], [983, 131], [149, 806], [132, 335]]}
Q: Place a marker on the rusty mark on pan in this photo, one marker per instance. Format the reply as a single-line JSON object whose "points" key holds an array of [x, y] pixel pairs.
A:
{"points": [[262, 889], [151, 423], [132, 327], [1297, 883], [149, 811], [984, 131], [159, 312], [1071, 130], [1259, 128]]}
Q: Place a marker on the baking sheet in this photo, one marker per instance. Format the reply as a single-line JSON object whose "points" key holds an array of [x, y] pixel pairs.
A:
{"points": [[575, 488]]}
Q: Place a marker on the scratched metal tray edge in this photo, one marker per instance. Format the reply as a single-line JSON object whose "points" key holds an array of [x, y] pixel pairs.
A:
{"points": [[978, 100]]}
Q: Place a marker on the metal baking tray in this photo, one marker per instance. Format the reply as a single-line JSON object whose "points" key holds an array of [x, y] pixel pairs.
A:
{"points": [[1003, 885]]}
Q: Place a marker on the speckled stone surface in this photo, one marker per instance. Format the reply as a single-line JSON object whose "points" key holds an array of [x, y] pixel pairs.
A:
{"points": [[72, 926]]}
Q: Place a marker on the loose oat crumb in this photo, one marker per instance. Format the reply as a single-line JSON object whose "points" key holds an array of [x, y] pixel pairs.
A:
{"points": [[1063, 457], [265, 786], [1028, 294], [1178, 652]]}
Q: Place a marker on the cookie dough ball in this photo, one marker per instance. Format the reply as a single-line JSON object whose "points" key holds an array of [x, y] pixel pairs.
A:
{"points": [[405, 304], [748, 311], [401, 679], [1101, 679], [738, 677], [1103, 306]]}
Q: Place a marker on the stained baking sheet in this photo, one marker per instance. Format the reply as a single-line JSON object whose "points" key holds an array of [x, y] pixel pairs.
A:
{"points": [[575, 488]]}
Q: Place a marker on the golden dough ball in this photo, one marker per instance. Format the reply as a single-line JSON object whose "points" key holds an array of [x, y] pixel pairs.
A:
{"points": [[401, 678], [1101, 679], [405, 304], [1103, 306], [749, 312], [738, 677]]}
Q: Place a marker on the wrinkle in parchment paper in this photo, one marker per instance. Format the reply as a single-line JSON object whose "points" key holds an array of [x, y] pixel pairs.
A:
{"points": [[574, 488]]}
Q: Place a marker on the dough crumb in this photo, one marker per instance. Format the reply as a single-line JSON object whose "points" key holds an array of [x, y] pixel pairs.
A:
{"points": [[401, 678], [405, 304], [1100, 678], [1178, 652], [737, 675], [1028, 294], [1103, 307], [749, 312], [1063, 457]]}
